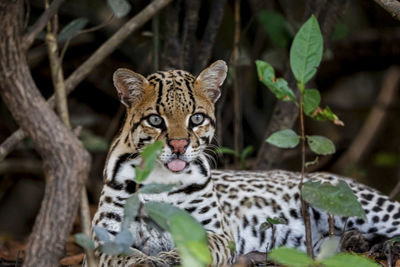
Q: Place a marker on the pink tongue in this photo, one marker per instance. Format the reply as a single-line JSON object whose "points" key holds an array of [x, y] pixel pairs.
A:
{"points": [[176, 165]]}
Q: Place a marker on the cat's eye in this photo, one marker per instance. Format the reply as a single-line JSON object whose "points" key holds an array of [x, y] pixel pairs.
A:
{"points": [[155, 120], [197, 119]]}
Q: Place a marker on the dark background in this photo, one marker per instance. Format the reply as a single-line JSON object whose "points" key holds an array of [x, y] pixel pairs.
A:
{"points": [[361, 46]]}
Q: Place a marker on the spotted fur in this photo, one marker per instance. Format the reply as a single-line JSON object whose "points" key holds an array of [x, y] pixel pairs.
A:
{"points": [[231, 205]]}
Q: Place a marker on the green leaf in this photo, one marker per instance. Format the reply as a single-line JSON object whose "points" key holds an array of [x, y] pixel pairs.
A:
{"points": [[284, 139], [72, 29], [226, 150], [310, 163], [348, 260], [326, 114], [290, 257], [276, 220], [320, 145], [246, 151], [124, 238], [279, 87], [311, 100], [101, 233], [84, 241], [155, 188], [131, 209], [328, 248], [276, 27], [306, 51], [149, 156], [112, 248], [386, 159], [120, 8], [336, 199], [189, 236]]}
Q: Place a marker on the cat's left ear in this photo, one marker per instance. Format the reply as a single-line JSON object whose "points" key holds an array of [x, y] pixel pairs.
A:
{"points": [[212, 78]]}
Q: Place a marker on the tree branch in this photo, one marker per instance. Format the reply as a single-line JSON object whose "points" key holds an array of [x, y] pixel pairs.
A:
{"points": [[192, 8], [391, 6], [93, 61], [64, 159], [364, 139], [39, 25], [207, 42]]}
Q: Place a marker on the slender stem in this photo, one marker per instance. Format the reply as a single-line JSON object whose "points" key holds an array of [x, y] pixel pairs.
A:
{"points": [[304, 205], [236, 88], [41, 23], [331, 225]]}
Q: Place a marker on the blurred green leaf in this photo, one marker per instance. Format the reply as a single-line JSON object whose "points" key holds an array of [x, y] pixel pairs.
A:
{"points": [[271, 222], [276, 27], [112, 248], [72, 29], [284, 139], [124, 238], [84, 241], [120, 8], [290, 257], [92, 142], [336, 199], [226, 150], [320, 145], [310, 163], [101, 233], [149, 156], [311, 100], [155, 188], [348, 260], [329, 247], [340, 32], [279, 87], [131, 209], [386, 159], [246, 151], [188, 234], [306, 51]]}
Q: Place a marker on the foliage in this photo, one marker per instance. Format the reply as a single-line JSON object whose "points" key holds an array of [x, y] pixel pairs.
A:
{"points": [[338, 200], [72, 29], [293, 258], [276, 27], [189, 236], [270, 222], [305, 57], [242, 157], [120, 8]]}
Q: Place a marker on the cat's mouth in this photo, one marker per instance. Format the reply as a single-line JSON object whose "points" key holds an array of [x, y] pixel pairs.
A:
{"points": [[176, 165]]}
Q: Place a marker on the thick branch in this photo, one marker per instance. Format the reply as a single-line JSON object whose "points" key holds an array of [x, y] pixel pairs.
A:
{"points": [[391, 6], [207, 43], [364, 139], [39, 25], [192, 8], [65, 160], [93, 61]]}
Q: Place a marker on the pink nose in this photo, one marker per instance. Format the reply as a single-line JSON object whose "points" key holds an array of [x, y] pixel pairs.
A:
{"points": [[178, 145]]}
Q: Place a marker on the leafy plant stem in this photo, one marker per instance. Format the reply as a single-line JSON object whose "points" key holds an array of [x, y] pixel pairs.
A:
{"points": [[331, 225], [304, 205]]}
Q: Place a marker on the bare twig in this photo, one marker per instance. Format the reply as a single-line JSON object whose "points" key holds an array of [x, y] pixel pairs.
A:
{"points": [[207, 42], [304, 205], [237, 122], [94, 60], [62, 109], [39, 25], [363, 140], [391, 6]]}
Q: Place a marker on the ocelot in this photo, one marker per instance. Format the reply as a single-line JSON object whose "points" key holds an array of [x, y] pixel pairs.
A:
{"points": [[178, 108]]}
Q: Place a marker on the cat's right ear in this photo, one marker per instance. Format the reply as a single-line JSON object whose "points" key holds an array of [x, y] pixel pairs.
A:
{"points": [[130, 86]]}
